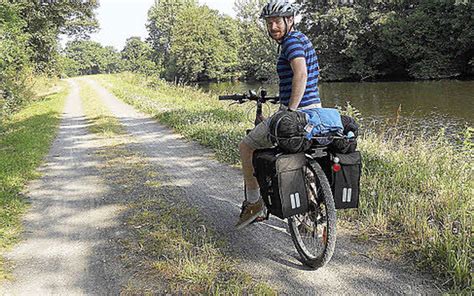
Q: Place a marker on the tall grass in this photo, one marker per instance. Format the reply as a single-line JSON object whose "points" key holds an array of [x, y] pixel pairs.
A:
{"points": [[415, 190], [420, 191]]}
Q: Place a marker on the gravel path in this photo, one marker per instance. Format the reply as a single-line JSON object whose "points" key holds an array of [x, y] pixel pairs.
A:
{"points": [[68, 230], [70, 247], [265, 249]]}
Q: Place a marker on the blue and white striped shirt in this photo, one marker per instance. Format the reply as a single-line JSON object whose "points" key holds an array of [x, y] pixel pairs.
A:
{"points": [[295, 45]]}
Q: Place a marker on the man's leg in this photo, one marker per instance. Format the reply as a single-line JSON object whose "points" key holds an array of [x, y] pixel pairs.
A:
{"points": [[253, 205], [246, 154]]}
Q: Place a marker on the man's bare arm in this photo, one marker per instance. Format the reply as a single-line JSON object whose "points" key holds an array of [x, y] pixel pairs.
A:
{"points": [[298, 84]]}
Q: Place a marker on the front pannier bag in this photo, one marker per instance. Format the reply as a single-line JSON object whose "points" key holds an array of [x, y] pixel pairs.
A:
{"points": [[282, 182], [345, 183]]}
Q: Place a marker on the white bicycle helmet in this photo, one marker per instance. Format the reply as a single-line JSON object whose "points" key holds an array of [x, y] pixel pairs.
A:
{"points": [[282, 8]]}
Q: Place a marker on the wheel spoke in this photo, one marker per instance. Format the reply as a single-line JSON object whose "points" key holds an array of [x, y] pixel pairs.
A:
{"points": [[311, 231]]}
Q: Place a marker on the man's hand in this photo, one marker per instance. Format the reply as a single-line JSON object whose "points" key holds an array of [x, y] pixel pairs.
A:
{"points": [[259, 118], [298, 84]]}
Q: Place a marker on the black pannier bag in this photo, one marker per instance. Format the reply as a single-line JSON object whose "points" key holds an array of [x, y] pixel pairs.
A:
{"points": [[346, 145], [282, 181], [346, 182], [287, 131]]}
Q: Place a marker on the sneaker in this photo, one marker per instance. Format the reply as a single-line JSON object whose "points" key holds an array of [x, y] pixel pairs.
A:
{"points": [[250, 211]]}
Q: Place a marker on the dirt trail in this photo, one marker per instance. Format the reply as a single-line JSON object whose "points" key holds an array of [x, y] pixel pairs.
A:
{"points": [[66, 249], [265, 249], [71, 230]]}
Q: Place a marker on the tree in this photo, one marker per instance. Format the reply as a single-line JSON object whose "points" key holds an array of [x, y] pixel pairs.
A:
{"points": [[15, 66], [228, 50], [257, 52], [45, 20], [433, 40], [85, 57], [369, 39], [113, 60], [161, 21], [335, 35], [29, 43], [249, 10], [137, 57], [203, 46], [68, 66]]}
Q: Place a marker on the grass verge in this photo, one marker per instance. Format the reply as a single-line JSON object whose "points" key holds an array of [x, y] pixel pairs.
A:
{"points": [[25, 139], [168, 246], [189, 111], [416, 193]]}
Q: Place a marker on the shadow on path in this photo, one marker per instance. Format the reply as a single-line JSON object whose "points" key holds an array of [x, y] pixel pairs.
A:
{"points": [[266, 249]]}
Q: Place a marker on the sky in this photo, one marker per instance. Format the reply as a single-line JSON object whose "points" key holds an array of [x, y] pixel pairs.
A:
{"points": [[121, 19]]}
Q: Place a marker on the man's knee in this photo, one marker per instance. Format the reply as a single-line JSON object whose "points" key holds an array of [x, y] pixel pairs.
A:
{"points": [[245, 148]]}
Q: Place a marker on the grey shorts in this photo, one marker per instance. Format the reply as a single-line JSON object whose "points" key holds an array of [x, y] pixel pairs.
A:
{"points": [[259, 137]]}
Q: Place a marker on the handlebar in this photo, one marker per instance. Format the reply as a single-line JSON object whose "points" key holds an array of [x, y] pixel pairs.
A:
{"points": [[232, 97], [252, 96]]}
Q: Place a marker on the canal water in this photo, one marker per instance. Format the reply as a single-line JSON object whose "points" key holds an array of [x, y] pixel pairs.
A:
{"points": [[419, 106]]}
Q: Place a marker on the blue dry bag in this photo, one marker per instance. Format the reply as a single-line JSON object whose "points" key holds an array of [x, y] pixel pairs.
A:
{"points": [[322, 121]]}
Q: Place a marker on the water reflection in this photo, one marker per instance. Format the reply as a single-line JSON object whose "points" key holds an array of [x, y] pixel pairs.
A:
{"points": [[428, 105]]}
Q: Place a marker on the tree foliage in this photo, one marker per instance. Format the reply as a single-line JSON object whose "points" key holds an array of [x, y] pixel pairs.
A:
{"points": [[436, 41], [258, 53], [203, 45], [424, 39], [29, 43], [137, 56], [15, 66], [45, 20], [360, 40], [193, 42], [85, 57], [161, 21]]}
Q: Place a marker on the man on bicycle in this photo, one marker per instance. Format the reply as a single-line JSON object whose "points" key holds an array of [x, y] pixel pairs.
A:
{"points": [[298, 71]]}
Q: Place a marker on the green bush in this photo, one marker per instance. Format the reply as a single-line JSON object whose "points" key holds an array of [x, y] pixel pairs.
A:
{"points": [[16, 70]]}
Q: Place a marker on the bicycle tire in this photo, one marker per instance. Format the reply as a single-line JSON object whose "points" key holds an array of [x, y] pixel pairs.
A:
{"points": [[304, 228]]}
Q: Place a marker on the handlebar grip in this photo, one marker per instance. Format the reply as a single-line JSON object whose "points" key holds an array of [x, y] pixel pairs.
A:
{"points": [[232, 97]]}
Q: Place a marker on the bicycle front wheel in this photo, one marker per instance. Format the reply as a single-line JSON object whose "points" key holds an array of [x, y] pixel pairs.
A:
{"points": [[314, 233]]}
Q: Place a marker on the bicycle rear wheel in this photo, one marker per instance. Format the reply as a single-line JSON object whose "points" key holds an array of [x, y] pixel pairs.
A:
{"points": [[314, 233]]}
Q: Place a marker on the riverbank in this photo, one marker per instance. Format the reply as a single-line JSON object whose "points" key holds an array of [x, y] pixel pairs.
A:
{"points": [[415, 191]]}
